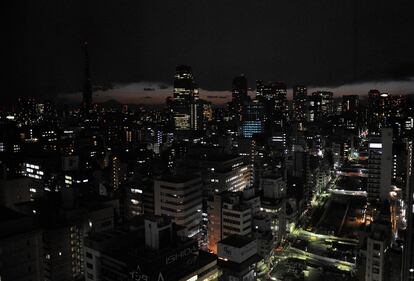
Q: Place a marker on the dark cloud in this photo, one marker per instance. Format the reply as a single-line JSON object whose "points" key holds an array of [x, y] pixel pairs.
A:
{"points": [[138, 93], [321, 42]]}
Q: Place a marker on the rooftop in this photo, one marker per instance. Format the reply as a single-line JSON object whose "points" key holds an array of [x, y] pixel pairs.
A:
{"points": [[237, 241], [178, 178], [7, 214]]}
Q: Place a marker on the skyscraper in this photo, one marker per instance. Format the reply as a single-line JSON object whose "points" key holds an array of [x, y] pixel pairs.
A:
{"points": [[185, 89], [273, 96], [230, 213], [408, 250], [252, 118], [239, 95], [378, 244], [180, 197], [259, 89], [350, 105], [280, 102], [320, 105], [185, 106], [300, 96], [380, 165], [379, 107]]}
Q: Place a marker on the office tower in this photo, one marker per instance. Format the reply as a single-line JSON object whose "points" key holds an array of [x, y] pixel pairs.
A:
{"points": [[237, 258], [148, 248], [239, 95], [398, 105], [379, 107], [219, 171], [49, 139], [378, 244], [239, 89], [26, 113], [44, 169], [136, 191], [350, 110], [300, 99], [297, 166], [408, 249], [373, 99], [320, 106], [195, 114], [236, 217], [262, 232], [273, 186], [350, 104], [380, 165], [182, 121], [259, 89], [180, 197], [15, 190], [115, 175], [280, 91], [400, 158], [252, 118], [21, 244], [273, 97], [65, 221], [185, 105], [280, 103], [227, 173], [87, 86], [230, 213], [385, 109], [373, 117], [185, 88], [148, 199]]}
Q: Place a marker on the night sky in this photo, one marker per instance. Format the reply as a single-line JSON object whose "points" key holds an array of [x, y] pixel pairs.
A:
{"points": [[318, 42]]}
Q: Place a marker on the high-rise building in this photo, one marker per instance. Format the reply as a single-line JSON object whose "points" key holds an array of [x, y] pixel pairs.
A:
{"points": [[65, 221], [378, 244], [259, 89], [350, 110], [237, 258], [380, 163], [239, 96], [180, 197], [408, 249], [273, 96], [185, 105], [350, 104], [273, 186], [300, 99], [148, 248], [252, 118], [280, 92], [185, 89], [219, 171], [116, 172], [321, 105], [379, 108], [21, 245], [230, 213]]}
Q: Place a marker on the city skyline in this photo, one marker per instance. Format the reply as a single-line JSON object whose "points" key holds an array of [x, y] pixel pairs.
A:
{"points": [[156, 92], [318, 43], [208, 140]]}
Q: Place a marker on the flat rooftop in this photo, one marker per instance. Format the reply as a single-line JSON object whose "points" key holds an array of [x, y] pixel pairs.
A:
{"points": [[7, 214], [237, 241], [178, 178]]}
